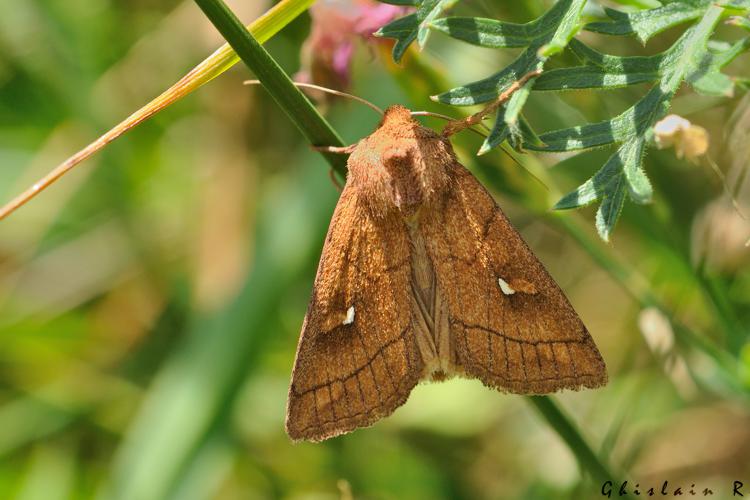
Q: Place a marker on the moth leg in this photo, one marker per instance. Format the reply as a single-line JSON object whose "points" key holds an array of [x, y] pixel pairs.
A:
{"points": [[334, 180], [345, 150], [456, 126], [339, 150]]}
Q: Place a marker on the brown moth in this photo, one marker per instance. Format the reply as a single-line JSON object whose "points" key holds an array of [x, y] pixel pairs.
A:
{"points": [[422, 277]]}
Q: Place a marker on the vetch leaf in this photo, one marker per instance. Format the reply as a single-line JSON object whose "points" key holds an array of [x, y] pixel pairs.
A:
{"points": [[518, 133], [404, 30], [674, 65], [620, 64], [589, 77], [555, 27], [623, 174], [693, 58], [507, 122], [566, 29], [426, 13], [630, 156], [585, 194]]}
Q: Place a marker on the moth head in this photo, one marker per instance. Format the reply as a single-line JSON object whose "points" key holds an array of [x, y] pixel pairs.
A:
{"points": [[397, 116]]}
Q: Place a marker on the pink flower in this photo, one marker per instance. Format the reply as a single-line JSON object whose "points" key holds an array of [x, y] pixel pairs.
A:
{"points": [[374, 17], [336, 26]]}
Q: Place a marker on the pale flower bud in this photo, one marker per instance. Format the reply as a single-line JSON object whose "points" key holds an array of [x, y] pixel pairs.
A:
{"points": [[689, 141]]}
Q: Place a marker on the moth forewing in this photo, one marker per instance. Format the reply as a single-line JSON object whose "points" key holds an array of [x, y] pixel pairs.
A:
{"points": [[511, 325], [352, 369]]}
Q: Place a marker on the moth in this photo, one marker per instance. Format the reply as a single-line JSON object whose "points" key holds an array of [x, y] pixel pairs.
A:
{"points": [[422, 278]]}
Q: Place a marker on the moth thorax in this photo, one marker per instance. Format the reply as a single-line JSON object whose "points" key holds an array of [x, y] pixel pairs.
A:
{"points": [[417, 174], [400, 167], [406, 186]]}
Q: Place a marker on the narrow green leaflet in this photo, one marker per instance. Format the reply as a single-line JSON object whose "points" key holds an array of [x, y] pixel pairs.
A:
{"points": [[414, 26], [601, 71], [622, 175], [590, 77], [634, 122], [644, 24], [486, 32], [500, 131], [488, 89], [626, 159]]}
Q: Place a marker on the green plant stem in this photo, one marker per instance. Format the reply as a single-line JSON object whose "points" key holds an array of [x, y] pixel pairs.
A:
{"points": [[717, 294], [314, 127], [273, 78], [557, 419]]}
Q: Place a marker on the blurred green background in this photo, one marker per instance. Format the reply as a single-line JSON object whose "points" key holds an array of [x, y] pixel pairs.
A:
{"points": [[150, 301]]}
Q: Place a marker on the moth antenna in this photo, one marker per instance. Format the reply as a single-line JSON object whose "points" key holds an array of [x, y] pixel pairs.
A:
{"points": [[728, 190], [449, 119], [505, 149], [328, 91], [518, 162]]}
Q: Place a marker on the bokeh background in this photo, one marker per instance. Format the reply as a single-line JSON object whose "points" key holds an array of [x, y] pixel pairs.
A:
{"points": [[151, 301]]}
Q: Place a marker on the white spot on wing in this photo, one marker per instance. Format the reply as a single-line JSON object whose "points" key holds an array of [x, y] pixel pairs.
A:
{"points": [[349, 316], [505, 287]]}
